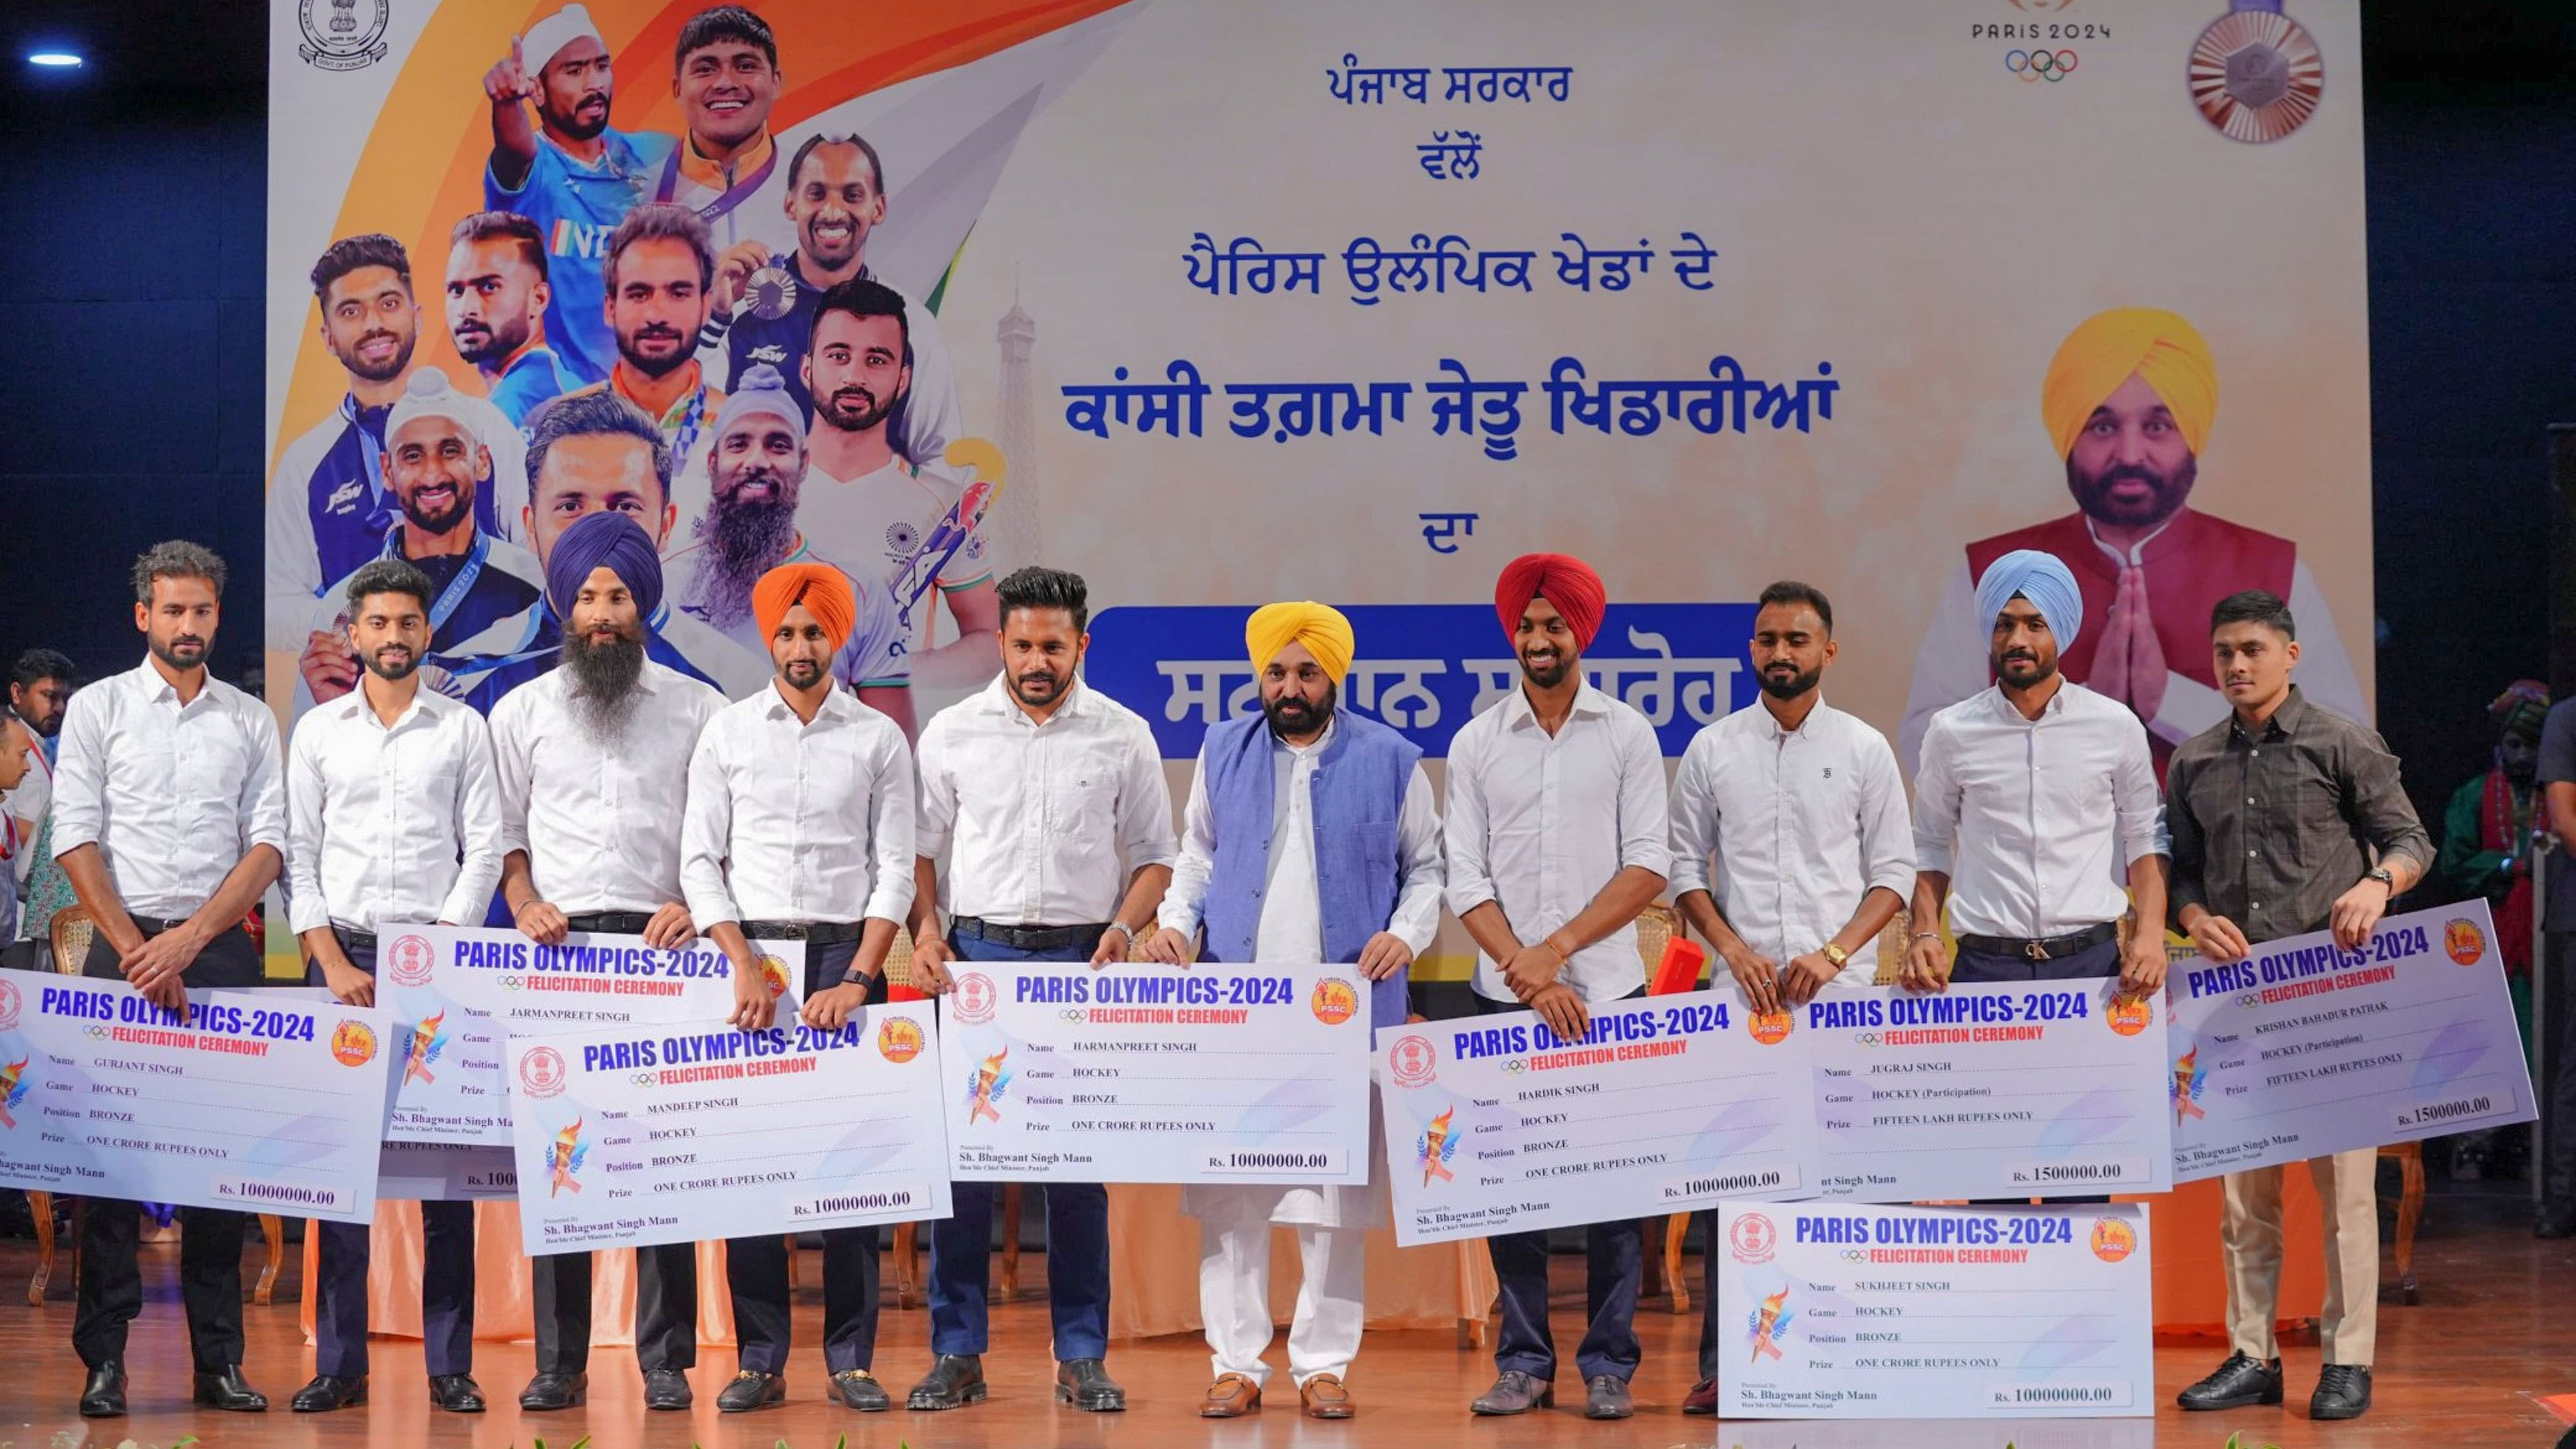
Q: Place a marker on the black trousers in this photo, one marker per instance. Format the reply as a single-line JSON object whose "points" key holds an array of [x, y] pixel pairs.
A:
{"points": [[756, 1268], [210, 1239], [446, 1272], [1614, 1262], [2558, 1113]]}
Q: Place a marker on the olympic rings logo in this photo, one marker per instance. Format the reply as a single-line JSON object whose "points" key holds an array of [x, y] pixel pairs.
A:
{"points": [[1854, 1255], [2048, 65], [1074, 1013]]}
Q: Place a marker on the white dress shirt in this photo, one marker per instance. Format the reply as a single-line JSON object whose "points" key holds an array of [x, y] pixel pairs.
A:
{"points": [[600, 820], [1539, 823], [791, 821], [1291, 932], [391, 825], [1041, 824], [26, 806], [172, 795], [2035, 821], [1798, 825]]}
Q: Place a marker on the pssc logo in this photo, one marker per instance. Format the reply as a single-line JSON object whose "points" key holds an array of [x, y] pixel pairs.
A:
{"points": [[409, 959], [2113, 1240], [353, 1043], [899, 1039], [1336, 1001], [1770, 1027], [2130, 1015], [773, 974], [2461, 937]]}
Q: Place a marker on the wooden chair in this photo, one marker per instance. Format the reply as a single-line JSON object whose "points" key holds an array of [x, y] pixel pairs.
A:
{"points": [[71, 935], [907, 1236], [1663, 924]]}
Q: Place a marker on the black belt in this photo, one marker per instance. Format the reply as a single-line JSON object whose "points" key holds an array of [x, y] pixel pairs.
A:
{"points": [[354, 940], [812, 933], [1029, 938], [610, 923], [2046, 948]]}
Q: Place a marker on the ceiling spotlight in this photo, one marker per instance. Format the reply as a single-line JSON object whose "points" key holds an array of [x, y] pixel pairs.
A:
{"points": [[55, 59]]}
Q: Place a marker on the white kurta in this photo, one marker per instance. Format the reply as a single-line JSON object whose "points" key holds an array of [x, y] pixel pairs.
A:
{"points": [[1292, 933]]}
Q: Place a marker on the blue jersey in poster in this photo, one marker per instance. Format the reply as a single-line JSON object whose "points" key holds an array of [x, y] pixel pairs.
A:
{"points": [[577, 206]]}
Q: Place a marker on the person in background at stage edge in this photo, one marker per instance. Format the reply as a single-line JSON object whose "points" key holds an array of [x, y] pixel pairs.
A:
{"points": [[2486, 853], [2557, 1217], [151, 759], [394, 815], [1557, 837], [2287, 819]]}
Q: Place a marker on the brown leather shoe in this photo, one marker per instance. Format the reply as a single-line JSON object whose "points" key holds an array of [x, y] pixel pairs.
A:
{"points": [[1325, 1398], [1231, 1397]]}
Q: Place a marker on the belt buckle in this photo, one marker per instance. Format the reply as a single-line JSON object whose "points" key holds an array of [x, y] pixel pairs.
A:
{"points": [[2035, 950]]}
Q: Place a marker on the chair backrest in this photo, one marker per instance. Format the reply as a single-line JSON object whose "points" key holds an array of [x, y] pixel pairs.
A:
{"points": [[1892, 942], [898, 961], [1656, 927], [72, 931]]}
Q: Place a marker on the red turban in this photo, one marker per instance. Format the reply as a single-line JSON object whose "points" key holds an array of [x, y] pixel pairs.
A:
{"points": [[823, 590], [1561, 579]]}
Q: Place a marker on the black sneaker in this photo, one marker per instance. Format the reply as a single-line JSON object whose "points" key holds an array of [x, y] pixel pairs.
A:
{"points": [[2236, 1383], [2343, 1392]]}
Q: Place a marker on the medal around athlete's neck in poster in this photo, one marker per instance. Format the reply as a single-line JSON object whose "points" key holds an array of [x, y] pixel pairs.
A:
{"points": [[2256, 73], [770, 294]]}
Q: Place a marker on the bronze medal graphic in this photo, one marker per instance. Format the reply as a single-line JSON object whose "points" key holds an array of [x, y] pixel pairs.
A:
{"points": [[2256, 73]]}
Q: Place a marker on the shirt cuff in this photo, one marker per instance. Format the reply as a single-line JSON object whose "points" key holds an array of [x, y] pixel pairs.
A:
{"points": [[1465, 898], [890, 901], [1174, 916], [307, 913]]}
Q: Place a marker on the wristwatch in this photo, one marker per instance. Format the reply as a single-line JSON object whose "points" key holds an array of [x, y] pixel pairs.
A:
{"points": [[2380, 874], [1835, 954], [858, 976]]}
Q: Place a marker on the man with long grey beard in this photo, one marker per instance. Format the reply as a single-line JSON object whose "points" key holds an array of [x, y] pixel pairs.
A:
{"points": [[755, 475], [594, 764]]}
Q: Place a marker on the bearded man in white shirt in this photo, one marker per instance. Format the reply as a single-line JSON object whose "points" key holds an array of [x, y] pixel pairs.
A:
{"points": [[1310, 836], [800, 828], [1557, 837], [1045, 801], [394, 815], [1794, 815], [594, 766], [170, 822]]}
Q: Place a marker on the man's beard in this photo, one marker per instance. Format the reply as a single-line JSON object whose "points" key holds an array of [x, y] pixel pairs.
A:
{"points": [[1050, 687], [604, 679], [1791, 687], [743, 541], [2039, 674], [438, 523], [170, 651], [387, 373], [1290, 715], [391, 673], [655, 366], [573, 125], [499, 341], [1547, 676], [854, 416], [2093, 494]]}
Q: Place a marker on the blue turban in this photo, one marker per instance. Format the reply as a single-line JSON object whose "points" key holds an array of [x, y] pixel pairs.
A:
{"points": [[2040, 578], [604, 540]]}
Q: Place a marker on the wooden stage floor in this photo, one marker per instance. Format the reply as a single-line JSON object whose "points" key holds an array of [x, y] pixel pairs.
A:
{"points": [[2465, 1370]]}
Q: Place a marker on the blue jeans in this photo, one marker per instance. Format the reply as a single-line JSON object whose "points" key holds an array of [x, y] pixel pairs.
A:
{"points": [[1614, 1261], [1077, 1238]]}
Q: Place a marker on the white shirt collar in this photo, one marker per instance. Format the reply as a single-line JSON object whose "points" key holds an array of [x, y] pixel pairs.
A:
{"points": [[2137, 551], [837, 703], [998, 699], [1517, 712]]}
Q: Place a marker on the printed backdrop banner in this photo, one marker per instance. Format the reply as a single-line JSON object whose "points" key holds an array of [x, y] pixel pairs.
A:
{"points": [[1223, 302]]}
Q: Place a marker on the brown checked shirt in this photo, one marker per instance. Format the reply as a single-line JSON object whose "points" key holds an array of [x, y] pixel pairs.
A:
{"points": [[2268, 829]]}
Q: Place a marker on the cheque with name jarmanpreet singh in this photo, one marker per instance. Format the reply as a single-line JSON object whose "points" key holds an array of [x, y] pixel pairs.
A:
{"points": [[1141, 1073], [1667, 1104], [255, 1101], [2304, 1049]]}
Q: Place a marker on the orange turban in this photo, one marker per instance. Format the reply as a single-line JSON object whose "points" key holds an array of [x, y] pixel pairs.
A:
{"points": [[1320, 627], [2101, 353], [1561, 579], [824, 591]]}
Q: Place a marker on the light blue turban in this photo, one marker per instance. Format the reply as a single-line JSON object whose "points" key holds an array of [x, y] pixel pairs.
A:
{"points": [[2040, 578]]}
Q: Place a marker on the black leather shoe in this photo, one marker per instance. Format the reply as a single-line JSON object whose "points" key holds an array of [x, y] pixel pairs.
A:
{"points": [[2234, 1384], [1085, 1384], [1605, 1397], [2343, 1392], [858, 1389], [751, 1389], [327, 1392], [455, 1393], [2557, 1220], [549, 1391], [103, 1397], [954, 1381], [667, 1389], [229, 1392], [1514, 1392]]}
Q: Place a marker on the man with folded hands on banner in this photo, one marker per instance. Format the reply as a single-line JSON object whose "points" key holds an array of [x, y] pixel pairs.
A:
{"points": [[2287, 819], [170, 820], [1794, 813], [1557, 837], [1310, 836], [799, 827], [594, 767], [393, 816], [1046, 799]]}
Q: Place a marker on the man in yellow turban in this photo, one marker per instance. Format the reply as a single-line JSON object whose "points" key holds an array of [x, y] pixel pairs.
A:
{"points": [[2128, 402], [1310, 835]]}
